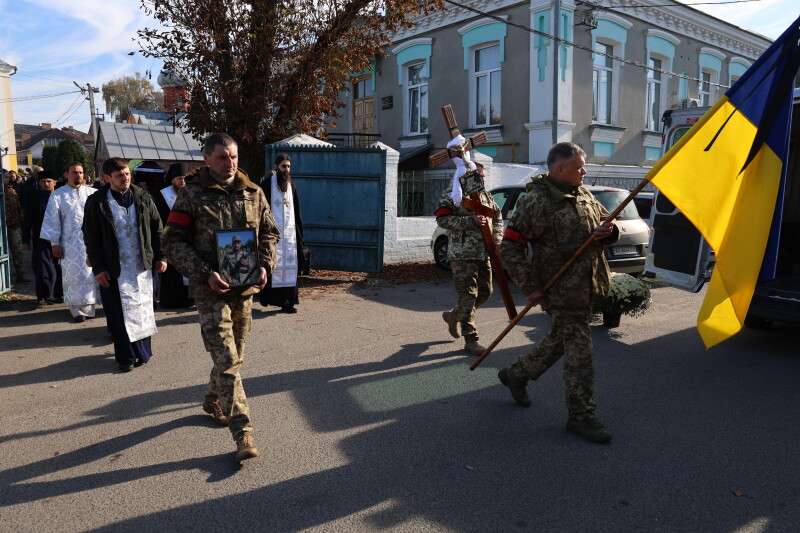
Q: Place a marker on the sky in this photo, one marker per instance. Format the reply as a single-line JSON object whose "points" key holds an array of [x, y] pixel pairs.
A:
{"points": [[54, 43]]}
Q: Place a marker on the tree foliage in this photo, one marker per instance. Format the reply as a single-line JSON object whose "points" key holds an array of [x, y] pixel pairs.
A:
{"points": [[50, 160], [125, 92], [261, 70], [70, 150]]}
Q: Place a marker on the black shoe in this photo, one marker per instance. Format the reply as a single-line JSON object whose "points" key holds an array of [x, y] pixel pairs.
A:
{"points": [[517, 387], [42, 301], [288, 309], [125, 368], [590, 429], [79, 318], [51, 301], [137, 364]]}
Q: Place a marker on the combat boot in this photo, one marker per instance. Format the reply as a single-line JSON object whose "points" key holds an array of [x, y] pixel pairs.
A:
{"points": [[475, 347], [214, 408], [516, 385], [590, 429], [452, 324], [245, 448]]}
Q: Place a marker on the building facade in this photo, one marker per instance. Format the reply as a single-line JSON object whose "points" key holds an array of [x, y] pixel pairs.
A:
{"points": [[502, 79], [8, 149]]}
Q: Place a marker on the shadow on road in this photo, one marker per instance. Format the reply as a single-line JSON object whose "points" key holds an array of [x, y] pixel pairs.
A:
{"points": [[704, 440]]}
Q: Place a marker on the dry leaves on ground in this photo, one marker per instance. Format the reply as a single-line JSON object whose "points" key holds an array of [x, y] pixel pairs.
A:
{"points": [[322, 281]]}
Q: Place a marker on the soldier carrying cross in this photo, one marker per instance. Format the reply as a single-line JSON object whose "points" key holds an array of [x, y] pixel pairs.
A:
{"points": [[473, 239]]}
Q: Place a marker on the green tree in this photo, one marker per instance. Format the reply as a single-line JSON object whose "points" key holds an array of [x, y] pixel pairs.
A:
{"points": [[50, 160], [70, 150], [125, 92], [261, 70]]}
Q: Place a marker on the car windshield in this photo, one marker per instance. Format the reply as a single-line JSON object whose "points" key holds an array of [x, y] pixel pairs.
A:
{"points": [[612, 199]]}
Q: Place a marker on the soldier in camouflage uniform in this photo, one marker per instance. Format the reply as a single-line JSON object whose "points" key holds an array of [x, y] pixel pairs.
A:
{"points": [[219, 196], [469, 261], [556, 217], [14, 227]]}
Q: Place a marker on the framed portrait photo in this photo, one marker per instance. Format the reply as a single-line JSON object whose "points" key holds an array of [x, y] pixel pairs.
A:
{"points": [[237, 256]]}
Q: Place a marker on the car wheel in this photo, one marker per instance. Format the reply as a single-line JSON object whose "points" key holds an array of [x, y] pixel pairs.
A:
{"points": [[440, 254], [756, 322]]}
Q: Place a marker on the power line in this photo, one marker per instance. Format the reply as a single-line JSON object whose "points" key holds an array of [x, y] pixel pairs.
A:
{"points": [[64, 82], [582, 47], [68, 109], [73, 112], [35, 97]]}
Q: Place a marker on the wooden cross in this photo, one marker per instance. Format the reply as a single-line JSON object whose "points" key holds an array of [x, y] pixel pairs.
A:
{"points": [[446, 155], [473, 203]]}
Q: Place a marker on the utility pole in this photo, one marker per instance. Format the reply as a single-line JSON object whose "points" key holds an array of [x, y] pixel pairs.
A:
{"points": [[556, 44], [91, 90], [93, 125]]}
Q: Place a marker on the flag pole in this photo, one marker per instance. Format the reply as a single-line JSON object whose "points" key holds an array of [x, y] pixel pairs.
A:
{"points": [[560, 273]]}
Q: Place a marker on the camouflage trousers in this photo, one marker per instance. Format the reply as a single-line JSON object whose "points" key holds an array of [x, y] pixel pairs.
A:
{"points": [[473, 283], [224, 326], [15, 247], [571, 337]]}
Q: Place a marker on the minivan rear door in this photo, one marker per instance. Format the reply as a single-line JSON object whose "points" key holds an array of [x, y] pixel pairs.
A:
{"points": [[678, 254]]}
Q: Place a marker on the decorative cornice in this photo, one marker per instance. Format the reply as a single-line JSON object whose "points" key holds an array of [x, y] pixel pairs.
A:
{"points": [[741, 61], [712, 52], [412, 42], [616, 19], [451, 15], [478, 23], [682, 21], [686, 22], [664, 35]]}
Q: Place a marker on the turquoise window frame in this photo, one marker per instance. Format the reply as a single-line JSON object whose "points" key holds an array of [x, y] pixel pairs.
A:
{"points": [[417, 52], [484, 34]]}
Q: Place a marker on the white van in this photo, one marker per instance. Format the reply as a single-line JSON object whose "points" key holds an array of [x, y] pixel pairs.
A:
{"points": [[679, 256]]}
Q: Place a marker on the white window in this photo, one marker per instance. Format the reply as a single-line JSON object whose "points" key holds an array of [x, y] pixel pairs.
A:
{"points": [[653, 96], [417, 94], [486, 86], [602, 84]]}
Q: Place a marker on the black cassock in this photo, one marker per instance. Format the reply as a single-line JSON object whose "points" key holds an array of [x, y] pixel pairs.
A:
{"points": [[172, 293]]}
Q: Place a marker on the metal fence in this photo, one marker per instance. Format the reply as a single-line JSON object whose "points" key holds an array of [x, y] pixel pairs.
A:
{"points": [[418, 191], [353, 140]]}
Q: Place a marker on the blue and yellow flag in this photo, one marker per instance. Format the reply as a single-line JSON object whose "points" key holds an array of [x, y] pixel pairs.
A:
{"points": [[727, 176]]}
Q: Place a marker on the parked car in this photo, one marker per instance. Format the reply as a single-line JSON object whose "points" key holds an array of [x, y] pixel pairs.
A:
{"points": [[626, 255]]}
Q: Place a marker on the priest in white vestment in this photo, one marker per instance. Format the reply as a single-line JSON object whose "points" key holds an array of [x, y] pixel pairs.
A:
{"points": [[122, 231], [293, 255], [62, 226]]}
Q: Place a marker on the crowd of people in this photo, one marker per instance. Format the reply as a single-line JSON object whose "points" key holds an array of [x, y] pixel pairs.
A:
{"points": [[113, 243], [116, 243]]}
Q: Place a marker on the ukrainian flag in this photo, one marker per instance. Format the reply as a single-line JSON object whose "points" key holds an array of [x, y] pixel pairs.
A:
{"points": [[727, 176]]}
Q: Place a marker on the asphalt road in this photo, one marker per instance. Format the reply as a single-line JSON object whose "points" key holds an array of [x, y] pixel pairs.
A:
{"points": [[368, 419]]}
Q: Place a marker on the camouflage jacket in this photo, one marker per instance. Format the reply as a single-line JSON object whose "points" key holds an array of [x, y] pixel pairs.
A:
{"points": [[13, 209], [202, 208], [556, 224], [465, 241]]}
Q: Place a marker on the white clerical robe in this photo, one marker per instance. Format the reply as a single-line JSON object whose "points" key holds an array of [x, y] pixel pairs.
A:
{"points": [[135, 283], [62, 226], [282, 205]]}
